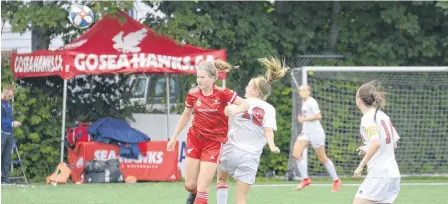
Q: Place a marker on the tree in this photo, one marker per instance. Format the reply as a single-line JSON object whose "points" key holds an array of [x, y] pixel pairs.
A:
{"points": [[39, 100], [367, 33]]}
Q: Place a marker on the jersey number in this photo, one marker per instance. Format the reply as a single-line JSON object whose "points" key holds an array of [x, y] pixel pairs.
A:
{"points": [[257, 116], [388, 134]]}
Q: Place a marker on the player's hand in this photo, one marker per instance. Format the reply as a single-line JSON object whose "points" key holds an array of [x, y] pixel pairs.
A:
{"points": [[357, 172], [170, 145], [361, 150], [301, 119], [17, 124], [231, 110], [275, 149]]}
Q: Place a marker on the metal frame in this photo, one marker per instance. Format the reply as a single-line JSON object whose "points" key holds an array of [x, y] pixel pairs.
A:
{"points": [[305, 69]]}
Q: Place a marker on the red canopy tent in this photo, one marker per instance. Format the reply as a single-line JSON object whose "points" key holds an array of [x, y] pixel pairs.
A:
{"points": [[110, 47]]}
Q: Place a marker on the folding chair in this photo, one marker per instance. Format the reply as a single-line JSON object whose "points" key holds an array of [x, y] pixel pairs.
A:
{"points": [[17, 163]]}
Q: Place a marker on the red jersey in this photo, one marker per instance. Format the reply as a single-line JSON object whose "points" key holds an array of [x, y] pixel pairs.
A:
{"points": [[209, 118]]}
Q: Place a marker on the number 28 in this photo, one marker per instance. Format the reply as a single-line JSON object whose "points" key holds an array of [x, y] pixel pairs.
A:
{"points": [[257, 116]]}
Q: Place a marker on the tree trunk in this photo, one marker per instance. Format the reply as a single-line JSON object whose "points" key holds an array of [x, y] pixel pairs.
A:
{"points": [[40, 39], [334, 27]]}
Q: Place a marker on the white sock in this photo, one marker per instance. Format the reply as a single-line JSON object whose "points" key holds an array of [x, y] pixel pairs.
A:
{"points": [[222, 193], [302, 164], [331, 170]]}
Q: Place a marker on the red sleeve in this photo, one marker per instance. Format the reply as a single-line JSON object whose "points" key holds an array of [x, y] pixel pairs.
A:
{"points": [[229, 96], [189, 101]]}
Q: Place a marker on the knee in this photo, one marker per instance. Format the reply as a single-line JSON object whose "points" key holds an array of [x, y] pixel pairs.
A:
{"points": [[297, 155], [221, 180], [322, 158], [190, 186]]}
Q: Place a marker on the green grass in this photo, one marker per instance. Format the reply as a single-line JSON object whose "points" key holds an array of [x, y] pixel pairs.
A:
{"points": [[174, 193]]}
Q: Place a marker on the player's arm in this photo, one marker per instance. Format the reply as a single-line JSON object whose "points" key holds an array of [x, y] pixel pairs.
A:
{"points": [[318, 115], [314, 117], [183, 121], [374, 138], [186, 115], [270, 125], [243, 106]]}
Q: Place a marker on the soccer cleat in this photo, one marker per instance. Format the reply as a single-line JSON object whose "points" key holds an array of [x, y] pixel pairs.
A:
{"points": [[191, 197], [305, 182], [336, 185]]}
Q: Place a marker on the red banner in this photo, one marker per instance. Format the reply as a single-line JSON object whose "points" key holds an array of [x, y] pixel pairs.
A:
{"points": [[157, 165], [129, 47]]}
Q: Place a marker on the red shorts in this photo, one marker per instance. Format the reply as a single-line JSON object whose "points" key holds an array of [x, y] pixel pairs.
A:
{"points": [[203, 149]]}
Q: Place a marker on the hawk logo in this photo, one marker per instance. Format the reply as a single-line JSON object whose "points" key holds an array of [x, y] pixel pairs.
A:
{"points": [[130, 42], [198, 102], [80, 163]]}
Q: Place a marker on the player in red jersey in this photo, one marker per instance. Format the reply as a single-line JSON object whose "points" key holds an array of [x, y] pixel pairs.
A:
{"points": [[209, 129]]}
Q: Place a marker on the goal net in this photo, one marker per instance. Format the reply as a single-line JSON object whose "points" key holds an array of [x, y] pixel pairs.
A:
{"points": [[417, 102]]}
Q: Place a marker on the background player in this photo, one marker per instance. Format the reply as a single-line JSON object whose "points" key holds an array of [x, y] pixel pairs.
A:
{"points": [[382, 183], [248, 134], [209, 128], [312, 132]]}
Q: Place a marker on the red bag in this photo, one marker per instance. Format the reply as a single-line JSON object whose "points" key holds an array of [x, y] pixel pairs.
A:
{"points": [[78, 133]]}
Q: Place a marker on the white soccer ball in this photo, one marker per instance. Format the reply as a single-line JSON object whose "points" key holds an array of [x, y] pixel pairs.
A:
{"points": [[81, 16]]}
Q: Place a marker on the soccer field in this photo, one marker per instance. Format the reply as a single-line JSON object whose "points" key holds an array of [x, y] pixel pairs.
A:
{"points": [[412, 191]]}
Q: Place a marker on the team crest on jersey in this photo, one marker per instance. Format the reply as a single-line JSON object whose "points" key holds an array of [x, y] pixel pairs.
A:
{"points": [[198, 102]]}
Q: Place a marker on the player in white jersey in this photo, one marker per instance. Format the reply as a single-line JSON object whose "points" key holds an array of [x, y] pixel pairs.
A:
{"points": [[248, 134], [312, 132], [382, 183]]}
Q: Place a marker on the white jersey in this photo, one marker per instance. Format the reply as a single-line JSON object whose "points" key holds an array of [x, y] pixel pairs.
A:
{"points": [[247, 130], [383, 163], [310, 108]]}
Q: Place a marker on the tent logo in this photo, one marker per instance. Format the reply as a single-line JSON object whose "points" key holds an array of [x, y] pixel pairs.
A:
{"points": [[130, 42]]}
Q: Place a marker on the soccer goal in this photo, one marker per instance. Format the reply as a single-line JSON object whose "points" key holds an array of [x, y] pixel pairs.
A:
{"points": [[417, 102]]}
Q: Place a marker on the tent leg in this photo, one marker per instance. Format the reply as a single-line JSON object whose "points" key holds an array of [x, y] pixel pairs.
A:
{"points": [[64, 107], [167, 80]]}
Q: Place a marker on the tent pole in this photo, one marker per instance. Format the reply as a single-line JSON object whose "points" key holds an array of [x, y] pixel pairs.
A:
{"points": [[64, 107], [167, 80]]}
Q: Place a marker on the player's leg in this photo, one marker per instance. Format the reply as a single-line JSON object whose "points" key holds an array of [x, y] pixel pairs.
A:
{"points": [[206, 173], [192, 163], [191, 177], [209, 164], [245, 174], [362, 201], [300, 153], [319, 148], [242, 189], [222, 192]]}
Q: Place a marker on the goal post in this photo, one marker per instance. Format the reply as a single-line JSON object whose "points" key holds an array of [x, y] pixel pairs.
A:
{"points": [[417, 102]]}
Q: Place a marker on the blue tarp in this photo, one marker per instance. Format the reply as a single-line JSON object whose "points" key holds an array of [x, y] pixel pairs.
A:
{"points": [[107, 130]]}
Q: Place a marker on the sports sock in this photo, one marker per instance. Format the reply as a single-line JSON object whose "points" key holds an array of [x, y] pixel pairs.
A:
{"points": [[302, 164], [222, 193], [331, 170]]}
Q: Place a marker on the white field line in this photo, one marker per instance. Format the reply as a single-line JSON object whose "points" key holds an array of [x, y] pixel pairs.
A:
{"points": [[348, 184]]}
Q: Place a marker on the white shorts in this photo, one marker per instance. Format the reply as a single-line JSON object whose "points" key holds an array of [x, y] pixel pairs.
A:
{"points": [[316, 139], [240, 164], [380, 190]]}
